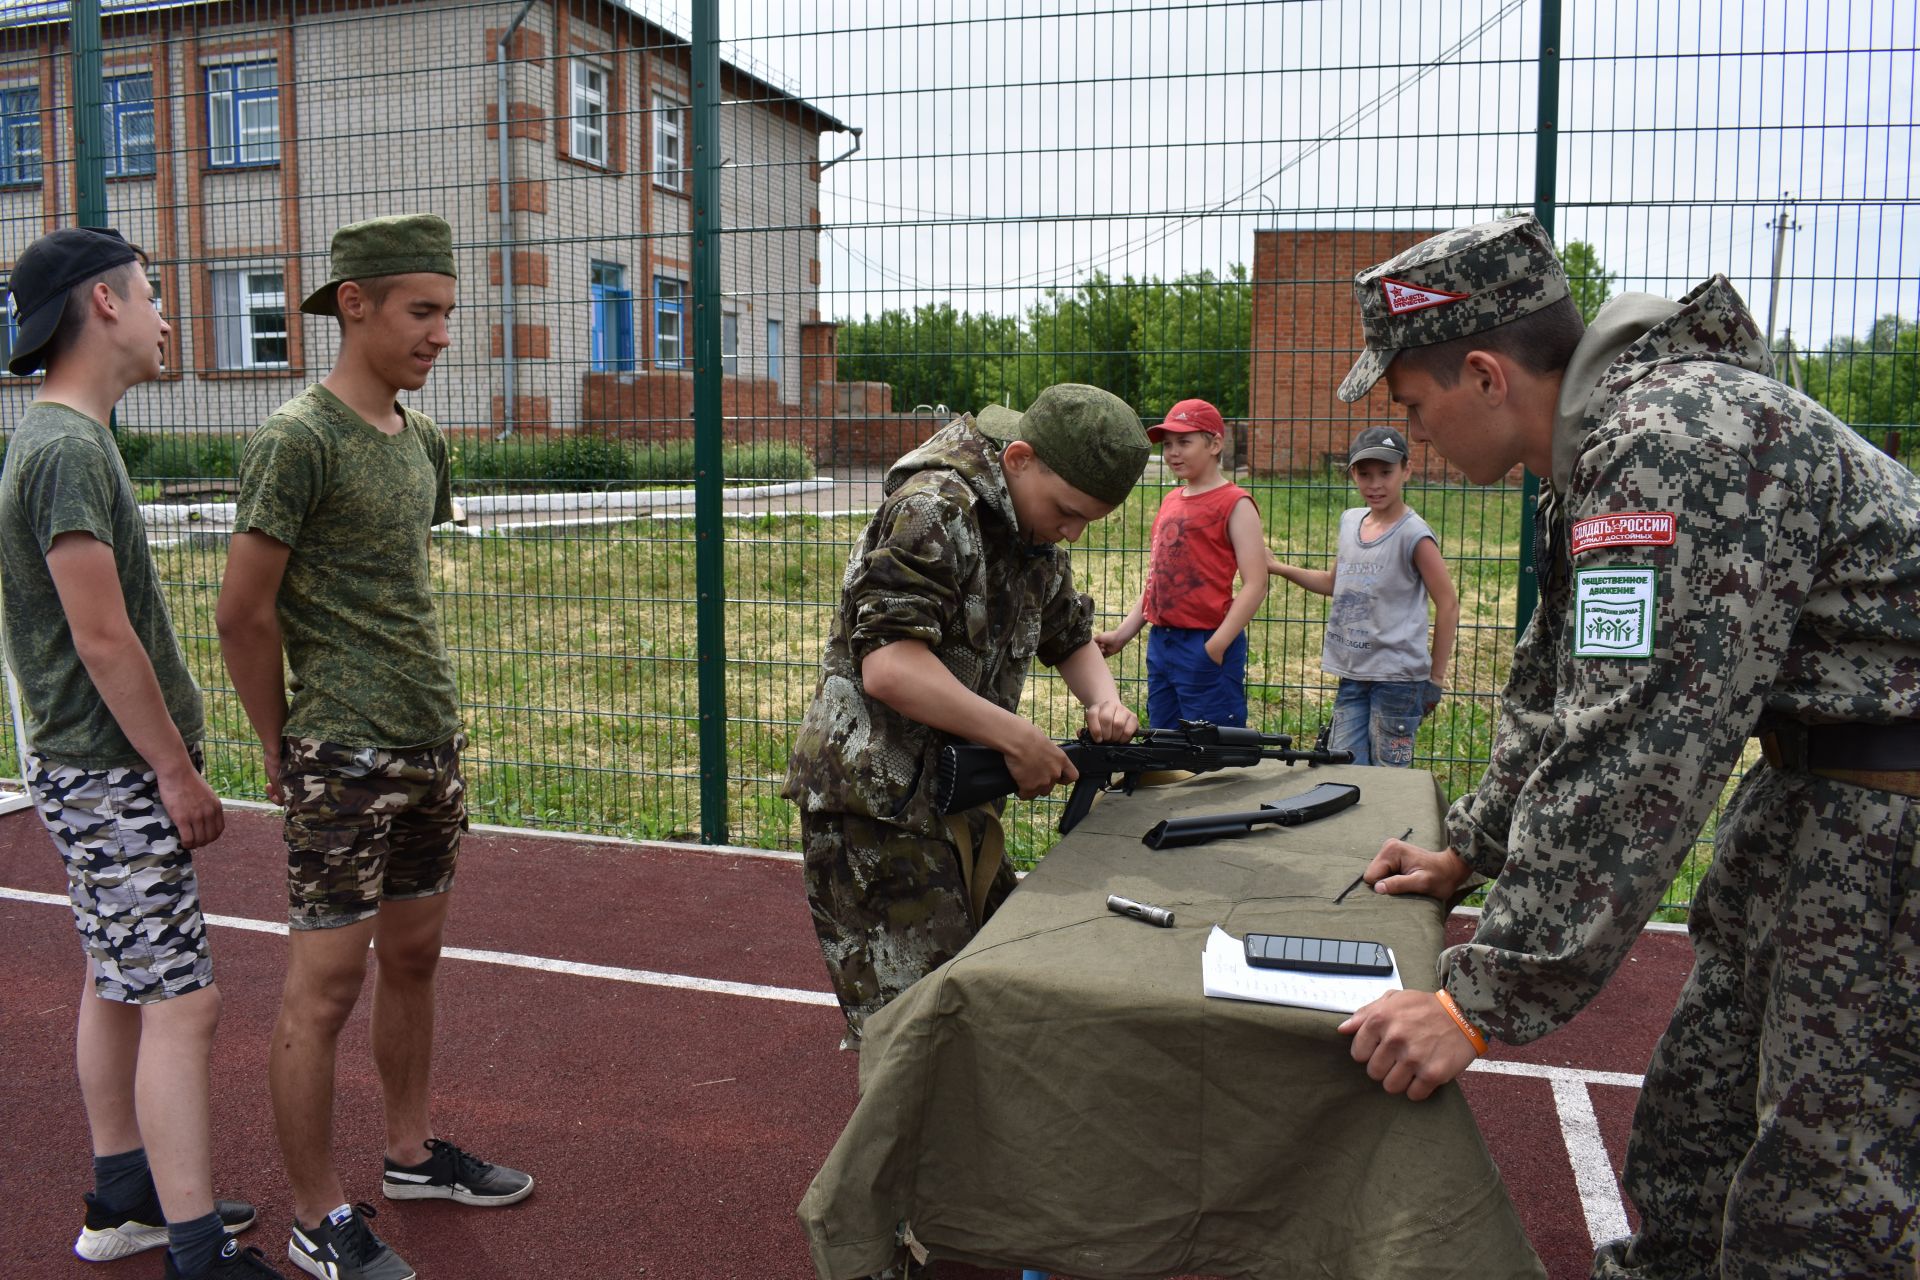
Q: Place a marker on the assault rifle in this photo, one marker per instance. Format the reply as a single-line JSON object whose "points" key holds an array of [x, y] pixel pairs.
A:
{"points": [[1317, 802], [968, 774]]}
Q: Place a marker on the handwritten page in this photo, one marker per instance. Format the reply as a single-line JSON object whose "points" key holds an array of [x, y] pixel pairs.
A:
{"points": [[1226, 974]]}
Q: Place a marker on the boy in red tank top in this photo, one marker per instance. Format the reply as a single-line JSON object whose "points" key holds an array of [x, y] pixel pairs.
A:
{"points": [[1205, 532]]}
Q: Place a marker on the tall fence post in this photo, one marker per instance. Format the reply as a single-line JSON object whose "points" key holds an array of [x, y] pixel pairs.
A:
{"points": [[1546, 167], [710, 541], [89, 109]]}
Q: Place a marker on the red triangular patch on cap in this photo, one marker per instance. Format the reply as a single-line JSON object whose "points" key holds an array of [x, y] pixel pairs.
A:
{"points": [[1403, 297]]}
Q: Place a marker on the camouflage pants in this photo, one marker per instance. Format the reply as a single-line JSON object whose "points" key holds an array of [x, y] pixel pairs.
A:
{"points": [[1776, 1134], [136, 901], [365, 825], [890, 905]]}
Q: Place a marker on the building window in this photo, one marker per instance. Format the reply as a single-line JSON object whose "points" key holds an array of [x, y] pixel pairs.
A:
{"points": [[589, 111], [250, 319], [243, 113], [669, 142], [127, 124], [20, 136], [730, 344], [669, 322], [612, 330], [9, 325], [773, 350]]}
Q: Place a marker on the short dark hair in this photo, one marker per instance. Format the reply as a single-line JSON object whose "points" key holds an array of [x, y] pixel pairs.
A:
{"points": [[1540, 342], [376, 289], [73, 312]]}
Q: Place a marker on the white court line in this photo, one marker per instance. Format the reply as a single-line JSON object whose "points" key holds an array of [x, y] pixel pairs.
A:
{"points": [[513, 960], [1592, 1168]]}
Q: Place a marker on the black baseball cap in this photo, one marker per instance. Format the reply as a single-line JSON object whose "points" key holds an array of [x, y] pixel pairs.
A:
{"points": [[45, 274], [1384, 443]]}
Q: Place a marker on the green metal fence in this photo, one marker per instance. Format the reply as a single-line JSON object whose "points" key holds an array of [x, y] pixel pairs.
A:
{"points": [[722, 262]]}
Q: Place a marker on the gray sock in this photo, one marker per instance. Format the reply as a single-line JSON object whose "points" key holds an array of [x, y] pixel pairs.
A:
{"points": [[122, 1182], [193, 1244]]}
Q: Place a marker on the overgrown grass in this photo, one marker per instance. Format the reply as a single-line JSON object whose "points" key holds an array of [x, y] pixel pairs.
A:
{"points": [[578, 657]]}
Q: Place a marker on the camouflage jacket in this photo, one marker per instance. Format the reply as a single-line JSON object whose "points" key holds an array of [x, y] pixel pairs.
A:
{"points": [[941, 562], [1715, 546]]}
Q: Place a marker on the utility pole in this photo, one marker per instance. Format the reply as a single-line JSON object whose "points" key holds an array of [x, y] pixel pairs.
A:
{"points": [[1782, 223]]}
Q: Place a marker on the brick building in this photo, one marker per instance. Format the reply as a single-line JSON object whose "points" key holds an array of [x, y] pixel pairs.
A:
{"points": [[240, 135], [1306, 334]]}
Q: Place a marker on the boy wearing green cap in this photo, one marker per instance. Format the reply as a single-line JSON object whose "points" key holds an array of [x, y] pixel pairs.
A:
{"points": [[1719, 558], [338, 491], [956, 586]]}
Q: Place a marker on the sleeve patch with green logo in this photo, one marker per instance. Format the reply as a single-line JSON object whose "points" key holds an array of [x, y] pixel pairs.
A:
{"points": [[1613, 612]]}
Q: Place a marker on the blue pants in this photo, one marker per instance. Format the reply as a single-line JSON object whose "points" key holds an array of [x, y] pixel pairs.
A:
{"points": [[1183, 683], [1376, 720]]}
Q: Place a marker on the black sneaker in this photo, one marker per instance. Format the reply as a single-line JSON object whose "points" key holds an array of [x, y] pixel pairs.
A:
{"points": [[231, 1263], [448, 1173], [343, 1247], [108, 1235]]}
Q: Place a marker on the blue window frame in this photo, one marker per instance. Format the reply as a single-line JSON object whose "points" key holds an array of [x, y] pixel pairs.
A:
{"points": [[612, 332], [20, 136], [243, 114], [9, 324], [669, 323], [128, 124], [773, 350]]}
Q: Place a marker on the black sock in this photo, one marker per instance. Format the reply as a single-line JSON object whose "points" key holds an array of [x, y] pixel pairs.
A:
{"points": [[122, 1182], [194, 1244]]}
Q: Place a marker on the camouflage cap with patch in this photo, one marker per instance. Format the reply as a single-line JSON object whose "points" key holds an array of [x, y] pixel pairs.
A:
{"points": [[1091, 438], [394, 246], [1451, 285]]}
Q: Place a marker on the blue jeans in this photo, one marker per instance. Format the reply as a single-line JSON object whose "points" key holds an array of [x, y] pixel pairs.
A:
{"points": [[1183, 683], [1376, 720]]}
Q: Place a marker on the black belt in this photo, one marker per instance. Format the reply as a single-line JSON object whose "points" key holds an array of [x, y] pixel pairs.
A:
{"points": [[1790, 744]]}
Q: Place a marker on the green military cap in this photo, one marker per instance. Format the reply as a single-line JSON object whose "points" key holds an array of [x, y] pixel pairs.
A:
{"points": [[1451, 285], [1090, 437], [395, 246]]}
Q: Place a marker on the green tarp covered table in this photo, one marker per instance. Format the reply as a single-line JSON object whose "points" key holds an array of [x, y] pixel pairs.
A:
{"points": [[1061, 1095]]}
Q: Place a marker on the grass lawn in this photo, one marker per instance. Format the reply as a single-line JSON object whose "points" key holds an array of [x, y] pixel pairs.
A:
{"points": [[577, 656]]}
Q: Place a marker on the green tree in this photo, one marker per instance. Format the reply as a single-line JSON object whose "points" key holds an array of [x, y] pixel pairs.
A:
{"points": [[1195, 338], [1591, 283], [933, 355], [1871, 383]]}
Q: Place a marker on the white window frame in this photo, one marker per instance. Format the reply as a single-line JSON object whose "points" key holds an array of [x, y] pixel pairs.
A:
{"points": [[669, 341], [588, 105], [775, 336], [669, 142], [730, 343], [243, 119], [242, 299], [22, 150]]}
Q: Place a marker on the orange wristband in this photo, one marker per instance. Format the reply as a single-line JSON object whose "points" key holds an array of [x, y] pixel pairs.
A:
{"points": [[1474, 1035]]}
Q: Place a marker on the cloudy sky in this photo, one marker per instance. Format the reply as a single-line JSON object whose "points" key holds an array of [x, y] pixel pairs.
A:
{"points": [[1011, 147]]}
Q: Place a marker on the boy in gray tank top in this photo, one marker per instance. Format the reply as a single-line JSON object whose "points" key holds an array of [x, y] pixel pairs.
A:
{"points": [[1389, 565]]}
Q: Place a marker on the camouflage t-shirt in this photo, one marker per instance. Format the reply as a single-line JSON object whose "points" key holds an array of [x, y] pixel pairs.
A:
{"points": [[356, 607], [64, 475], [942, 562]]}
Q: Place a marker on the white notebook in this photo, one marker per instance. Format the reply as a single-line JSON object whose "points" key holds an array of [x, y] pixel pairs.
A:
{"points": [[1225, 973]]}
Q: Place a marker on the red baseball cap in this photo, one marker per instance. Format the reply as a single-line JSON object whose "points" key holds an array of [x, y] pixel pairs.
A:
{"points": [[1188, 415]]}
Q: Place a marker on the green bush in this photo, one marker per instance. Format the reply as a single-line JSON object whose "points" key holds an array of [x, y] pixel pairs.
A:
{"points": [[593, 459], [178, 456]]}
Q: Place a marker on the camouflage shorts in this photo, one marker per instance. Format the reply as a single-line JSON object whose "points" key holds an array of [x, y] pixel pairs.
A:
{"points": [[366, 824], [135, 899]]}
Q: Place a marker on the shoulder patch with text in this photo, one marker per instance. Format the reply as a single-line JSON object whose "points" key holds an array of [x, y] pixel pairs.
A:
{"points": [[1627, 529], [1403, 297], [1613, 612]]}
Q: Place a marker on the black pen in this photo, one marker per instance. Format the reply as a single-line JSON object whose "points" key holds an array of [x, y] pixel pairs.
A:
{"points": [[1362, 877]]}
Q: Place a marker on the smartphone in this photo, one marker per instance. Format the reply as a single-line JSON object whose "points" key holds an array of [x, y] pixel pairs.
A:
{"points": [[1318, 955]]}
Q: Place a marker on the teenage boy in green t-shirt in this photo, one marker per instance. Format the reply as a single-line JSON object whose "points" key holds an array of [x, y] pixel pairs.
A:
{"points": [[114, 725], [338, 491]]}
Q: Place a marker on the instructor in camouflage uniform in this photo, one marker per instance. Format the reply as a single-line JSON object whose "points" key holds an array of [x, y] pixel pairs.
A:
{"points": [[952, 591], [1719, 559]]}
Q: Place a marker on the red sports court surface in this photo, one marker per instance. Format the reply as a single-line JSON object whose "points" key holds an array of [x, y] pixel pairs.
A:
{"points": [[646, 1029]]}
